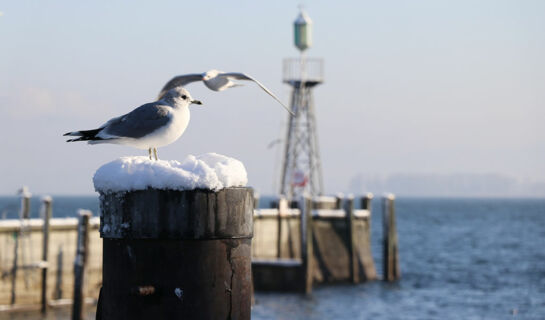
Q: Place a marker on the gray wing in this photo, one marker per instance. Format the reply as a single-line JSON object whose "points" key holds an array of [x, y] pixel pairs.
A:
{"points": [[137, 123], [180, 81], [243, 76]]}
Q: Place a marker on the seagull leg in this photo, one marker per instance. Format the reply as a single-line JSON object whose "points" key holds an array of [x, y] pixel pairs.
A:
{"points": [[149, 152], [155, 153]]}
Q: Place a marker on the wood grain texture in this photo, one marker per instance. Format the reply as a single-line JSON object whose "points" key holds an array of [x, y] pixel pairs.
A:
{"points": [[177, 254], [169, 214]]}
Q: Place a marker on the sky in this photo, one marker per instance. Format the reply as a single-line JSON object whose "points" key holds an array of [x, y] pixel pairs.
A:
{"points": [[412, 88]]}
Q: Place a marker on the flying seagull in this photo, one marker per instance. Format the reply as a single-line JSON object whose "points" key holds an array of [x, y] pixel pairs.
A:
{"points": [[217, 81], [149, 126]]}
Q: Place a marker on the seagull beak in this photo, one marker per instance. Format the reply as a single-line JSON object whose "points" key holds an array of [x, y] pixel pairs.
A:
{"points": [[196, 102]]}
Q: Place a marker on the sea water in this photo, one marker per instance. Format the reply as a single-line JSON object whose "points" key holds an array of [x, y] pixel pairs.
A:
{"points": [[460, 259]]}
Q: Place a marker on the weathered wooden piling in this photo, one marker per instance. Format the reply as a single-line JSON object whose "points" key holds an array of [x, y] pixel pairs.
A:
{"points": [[46, 210], [366, 201], [177, 254], [390, 254], [80, 262], [363, 229], [307, 250], [282, 207], [58, 281], [14, 267], [352, 241], [24, 214], [25, 204]]}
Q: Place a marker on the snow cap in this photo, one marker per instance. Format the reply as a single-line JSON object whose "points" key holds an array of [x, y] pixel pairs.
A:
{"points": [[208, 171]]}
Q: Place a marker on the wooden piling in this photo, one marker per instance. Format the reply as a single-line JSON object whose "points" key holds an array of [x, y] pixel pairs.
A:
{"points": [[177, 254], [58, 281], [256, 200], [352, 241], [14, 268], [390, 252], [25, 205], [23, 214], [339, 201], [366, 257], [79, 264], [282, 207], [366, 201], [306, 245], [47, 210]]}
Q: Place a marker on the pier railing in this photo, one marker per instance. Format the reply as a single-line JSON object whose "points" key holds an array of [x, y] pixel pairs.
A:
{"points": [[21, 253]]}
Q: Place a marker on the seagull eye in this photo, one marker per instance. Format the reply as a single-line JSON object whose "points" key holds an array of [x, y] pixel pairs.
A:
{"points": [[184, 97]]}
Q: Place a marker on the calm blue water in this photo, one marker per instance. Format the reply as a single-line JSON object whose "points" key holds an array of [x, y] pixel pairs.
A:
{"points": [[460, 259]]}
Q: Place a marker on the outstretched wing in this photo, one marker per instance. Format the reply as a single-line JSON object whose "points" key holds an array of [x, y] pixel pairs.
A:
{"points": [[180, 81], [243, 76]]}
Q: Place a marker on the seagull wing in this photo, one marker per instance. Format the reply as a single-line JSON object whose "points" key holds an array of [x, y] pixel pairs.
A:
{"points": [[137, 123], [180, 81], [243, 76]]}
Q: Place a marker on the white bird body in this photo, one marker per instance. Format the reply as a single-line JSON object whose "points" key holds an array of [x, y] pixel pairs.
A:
{"points": [[165, 135], [149, 126], [179, 120], [213, 82]]}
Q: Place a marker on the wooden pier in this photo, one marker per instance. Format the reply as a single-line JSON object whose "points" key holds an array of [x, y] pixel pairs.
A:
{"points": [[294, 246], [323, 241], [26, 291]]}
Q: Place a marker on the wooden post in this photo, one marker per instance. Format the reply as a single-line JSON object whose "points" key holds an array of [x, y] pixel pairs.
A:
{"points": [[256, 200], [352, 241], [390, 253], [58, 281], [23, 214], [177, 254], [79, 264], [366, 202], [46, 207], [25, 205], [306, 243], [368, 264], [282, 207], [14, 267], [339, 201]]}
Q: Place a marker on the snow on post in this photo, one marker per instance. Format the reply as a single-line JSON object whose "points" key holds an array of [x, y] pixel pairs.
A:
{"points": [[208, 171]]}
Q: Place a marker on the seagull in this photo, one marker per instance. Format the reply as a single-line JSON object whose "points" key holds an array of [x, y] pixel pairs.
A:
{"points": [[217, 81], [149, 126]]}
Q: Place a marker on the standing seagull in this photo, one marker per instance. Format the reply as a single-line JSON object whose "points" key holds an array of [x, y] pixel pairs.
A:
{"points": [[217, 81], [149, 126]]}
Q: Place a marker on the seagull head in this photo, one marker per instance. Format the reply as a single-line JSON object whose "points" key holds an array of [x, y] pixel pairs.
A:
{"points": [[179, 96], [210, 74]]}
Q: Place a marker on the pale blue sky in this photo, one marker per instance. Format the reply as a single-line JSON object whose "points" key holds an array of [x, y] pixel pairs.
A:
{"points": [[416, 87]]}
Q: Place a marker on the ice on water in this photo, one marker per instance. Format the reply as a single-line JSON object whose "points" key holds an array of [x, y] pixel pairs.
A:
{"points": [[208, 171]]}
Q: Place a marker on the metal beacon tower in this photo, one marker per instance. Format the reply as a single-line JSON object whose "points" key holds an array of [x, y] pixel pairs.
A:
{"points": [[302, 169]]}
